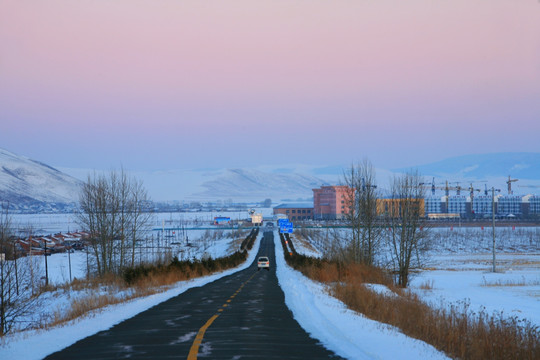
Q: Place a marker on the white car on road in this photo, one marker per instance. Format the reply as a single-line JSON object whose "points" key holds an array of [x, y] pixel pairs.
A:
{"points": [[263, 263]]}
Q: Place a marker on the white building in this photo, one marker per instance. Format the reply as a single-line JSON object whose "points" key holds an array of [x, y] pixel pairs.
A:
{"points": [[509, 205], [482, 206], [533, 202], [457, 204], [433, 204]]}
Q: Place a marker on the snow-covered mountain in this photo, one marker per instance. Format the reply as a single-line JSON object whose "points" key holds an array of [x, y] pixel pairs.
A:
{"points": [[25, 182], [237, 184], [252, 183]]}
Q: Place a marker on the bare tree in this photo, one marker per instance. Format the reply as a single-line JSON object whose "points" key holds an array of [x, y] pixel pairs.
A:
{"points": [[140, 215], [5, 269], [113, 210], [362, 214], [16, 294], [407, 235], [122, 191]]}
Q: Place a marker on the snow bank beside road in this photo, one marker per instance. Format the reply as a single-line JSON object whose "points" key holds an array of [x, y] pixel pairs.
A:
{"points": [[37, 344], [339, 329]]}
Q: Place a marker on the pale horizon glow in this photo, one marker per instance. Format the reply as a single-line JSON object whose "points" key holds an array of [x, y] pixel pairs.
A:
{"points": [[169, 85]]}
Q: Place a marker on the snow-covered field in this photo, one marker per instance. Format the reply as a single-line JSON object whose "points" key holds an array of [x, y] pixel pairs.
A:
{"points": [[458, 271]]}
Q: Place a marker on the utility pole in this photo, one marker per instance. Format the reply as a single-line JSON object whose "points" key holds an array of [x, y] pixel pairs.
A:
{"points": [[69, 261], [493, 221], [16, 271], [2, 295], [87, 262], [46, 267]]}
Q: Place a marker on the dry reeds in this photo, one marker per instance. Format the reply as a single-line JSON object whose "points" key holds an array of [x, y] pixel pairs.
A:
{"points": [[427, 285], [501, 283], [456, 330]]}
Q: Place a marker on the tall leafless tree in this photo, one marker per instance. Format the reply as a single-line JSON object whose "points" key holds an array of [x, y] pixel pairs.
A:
{"points": [[113, 209], [407, 232], [140, 216], [367, 234]]}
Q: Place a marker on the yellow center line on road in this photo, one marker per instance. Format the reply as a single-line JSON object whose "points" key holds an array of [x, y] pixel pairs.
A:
{"points": [[194, 350], [198, 339]]}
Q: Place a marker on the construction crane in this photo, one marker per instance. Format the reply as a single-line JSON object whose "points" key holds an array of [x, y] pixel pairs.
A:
{"points": [[434, 187], [472, 190], [509, 183], [431, 186], [458, 188], [447, 188]]}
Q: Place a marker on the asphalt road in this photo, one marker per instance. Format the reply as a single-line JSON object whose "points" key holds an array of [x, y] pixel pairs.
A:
{"points": [[241, 316]]}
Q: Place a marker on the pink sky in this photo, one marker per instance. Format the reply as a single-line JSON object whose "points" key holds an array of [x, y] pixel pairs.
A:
{"points": [[173, 84]]}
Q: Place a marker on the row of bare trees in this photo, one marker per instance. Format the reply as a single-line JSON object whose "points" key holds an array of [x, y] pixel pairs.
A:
{"points": [[385, 225], [114, 210]]}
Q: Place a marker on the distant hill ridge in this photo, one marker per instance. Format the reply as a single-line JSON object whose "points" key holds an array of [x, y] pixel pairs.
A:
{"points": [[251, 183], [25, 182]]}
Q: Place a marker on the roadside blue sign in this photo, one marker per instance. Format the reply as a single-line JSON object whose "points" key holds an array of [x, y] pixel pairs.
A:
{"points": [[286, 227]]}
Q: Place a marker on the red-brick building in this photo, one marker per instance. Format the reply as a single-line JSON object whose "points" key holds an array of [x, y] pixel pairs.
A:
{"points": [[295, 212], [330, 202]]}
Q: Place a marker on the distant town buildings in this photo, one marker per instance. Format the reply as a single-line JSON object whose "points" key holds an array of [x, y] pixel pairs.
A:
{"points": [[481, 206], [51, 243], [331, 202]]}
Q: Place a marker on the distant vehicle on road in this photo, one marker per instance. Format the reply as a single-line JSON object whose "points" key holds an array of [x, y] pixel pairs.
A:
{"points": [[263, 263]]}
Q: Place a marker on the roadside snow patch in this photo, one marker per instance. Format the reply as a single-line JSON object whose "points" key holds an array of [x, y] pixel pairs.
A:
{"points": [[339, 329]]}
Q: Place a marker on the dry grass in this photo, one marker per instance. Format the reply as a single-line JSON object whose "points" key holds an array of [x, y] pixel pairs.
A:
{"points": [[104, 292], [82, 306], [501, 283], [332, 272], [427, 285], [457, 331]]}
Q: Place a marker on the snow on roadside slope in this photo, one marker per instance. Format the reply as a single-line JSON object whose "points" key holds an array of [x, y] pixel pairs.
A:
{"points": [[339, 329], [36, 344]]}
